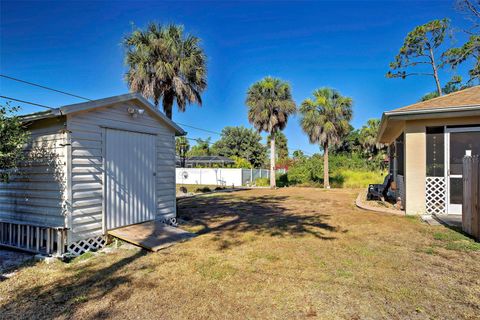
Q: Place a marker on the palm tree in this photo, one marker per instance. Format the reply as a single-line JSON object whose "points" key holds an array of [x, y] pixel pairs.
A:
{"points": [[368, 137], [182, 146], [325, 119], [269, 104], [164, 63]]}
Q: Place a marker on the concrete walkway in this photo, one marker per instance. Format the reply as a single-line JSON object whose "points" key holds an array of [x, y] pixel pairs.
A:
{"points": [[362, 203], [451, 220]]}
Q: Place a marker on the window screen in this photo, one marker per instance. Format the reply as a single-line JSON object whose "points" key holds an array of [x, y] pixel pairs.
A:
{"points": [[399, 151], [435, 152]]}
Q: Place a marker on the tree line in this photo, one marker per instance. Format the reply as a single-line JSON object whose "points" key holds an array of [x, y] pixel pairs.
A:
{"points": [[169, 67]]}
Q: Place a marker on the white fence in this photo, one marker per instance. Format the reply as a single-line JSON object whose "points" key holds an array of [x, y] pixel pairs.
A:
{"points": [[219, 176]]}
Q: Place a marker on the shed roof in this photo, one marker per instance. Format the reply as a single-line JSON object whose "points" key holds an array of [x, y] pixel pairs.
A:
{"points": [[85, 106]]}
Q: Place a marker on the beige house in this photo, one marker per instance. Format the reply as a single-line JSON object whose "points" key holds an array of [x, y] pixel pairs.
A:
{"points": [[428, 141]]}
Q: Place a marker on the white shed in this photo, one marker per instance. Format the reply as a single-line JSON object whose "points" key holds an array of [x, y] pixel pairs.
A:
{"points": [[94, 167]]}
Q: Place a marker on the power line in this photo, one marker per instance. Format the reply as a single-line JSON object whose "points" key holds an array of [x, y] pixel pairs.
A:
{"points": [[27, 102], [44, 87], [196, 140], [80, 97], [209, 131]]}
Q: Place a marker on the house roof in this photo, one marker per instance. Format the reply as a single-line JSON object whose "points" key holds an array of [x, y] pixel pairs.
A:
{"points": [[463, 98], [85, 106], [463, 103]]}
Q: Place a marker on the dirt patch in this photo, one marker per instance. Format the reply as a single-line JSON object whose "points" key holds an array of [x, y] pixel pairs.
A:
{"points": [[11, 260], [287, 253]]}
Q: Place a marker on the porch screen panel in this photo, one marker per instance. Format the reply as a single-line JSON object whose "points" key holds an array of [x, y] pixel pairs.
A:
{"points": [[435, 152], [460, 143]]}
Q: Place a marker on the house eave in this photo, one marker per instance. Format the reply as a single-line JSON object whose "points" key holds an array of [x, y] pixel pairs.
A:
{"points": [[40, 115], [433, 113]]}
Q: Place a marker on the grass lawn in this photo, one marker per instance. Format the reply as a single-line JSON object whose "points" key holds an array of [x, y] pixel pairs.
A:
{"points": [[268, 254]]}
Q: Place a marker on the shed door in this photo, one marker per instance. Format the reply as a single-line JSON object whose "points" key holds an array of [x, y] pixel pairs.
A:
{"points": [[129, 178]]}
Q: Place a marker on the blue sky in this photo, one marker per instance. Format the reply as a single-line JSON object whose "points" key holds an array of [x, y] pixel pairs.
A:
{"points": [[76, 46]]}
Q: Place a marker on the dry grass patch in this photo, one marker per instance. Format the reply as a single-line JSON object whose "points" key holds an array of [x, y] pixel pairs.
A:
{"points": [[288, 253]]}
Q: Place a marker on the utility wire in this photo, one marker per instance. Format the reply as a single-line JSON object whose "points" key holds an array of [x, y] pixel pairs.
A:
{"points": [[209, 131], [27, 102], [80, 97], [44, 87]]}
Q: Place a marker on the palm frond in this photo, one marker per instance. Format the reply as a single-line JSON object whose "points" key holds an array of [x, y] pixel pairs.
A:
{"points": [[164, 62], [326, 117]]}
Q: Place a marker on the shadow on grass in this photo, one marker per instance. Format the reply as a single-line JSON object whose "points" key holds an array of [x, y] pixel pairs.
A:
{"points": [[62, 299], [266, 215], [219, 214]]}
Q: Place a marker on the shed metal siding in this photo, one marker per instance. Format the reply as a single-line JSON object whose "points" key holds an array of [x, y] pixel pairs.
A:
{"points": [[87, 130], [37, 195]]}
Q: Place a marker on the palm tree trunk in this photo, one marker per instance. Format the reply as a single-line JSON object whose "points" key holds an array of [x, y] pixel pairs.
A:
{"points": [[168, 105], [326, 179], [272, 161]]}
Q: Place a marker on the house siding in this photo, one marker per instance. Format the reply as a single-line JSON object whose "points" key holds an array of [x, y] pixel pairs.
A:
{"points": [[415, 158], [415, 168], [37, 195], [87, 149]]}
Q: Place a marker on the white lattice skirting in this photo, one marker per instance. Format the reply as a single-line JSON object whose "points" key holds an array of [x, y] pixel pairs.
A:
{"points": [[82, 246], [436, 191], [170, 221]]}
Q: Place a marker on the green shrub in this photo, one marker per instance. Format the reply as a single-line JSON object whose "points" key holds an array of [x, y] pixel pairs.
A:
{"points": [[282, 180], [306, 170], [347, 171], [241, 163], [354, 161], [262, 182]]}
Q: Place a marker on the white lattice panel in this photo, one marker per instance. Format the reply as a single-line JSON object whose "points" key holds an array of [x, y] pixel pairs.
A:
{"points": [[170, 221], [436, 191], [82, 246]]}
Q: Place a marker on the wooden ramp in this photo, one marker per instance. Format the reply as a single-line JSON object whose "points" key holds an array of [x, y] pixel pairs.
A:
{"points": [[151, 235]]}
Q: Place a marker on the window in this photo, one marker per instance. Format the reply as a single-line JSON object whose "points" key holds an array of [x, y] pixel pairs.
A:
{"points": [[400, 155], [435, 152], [391, 157]]}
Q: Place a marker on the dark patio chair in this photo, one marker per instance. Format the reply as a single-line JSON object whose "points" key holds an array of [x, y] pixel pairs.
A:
{"points": [[379, 191]]}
